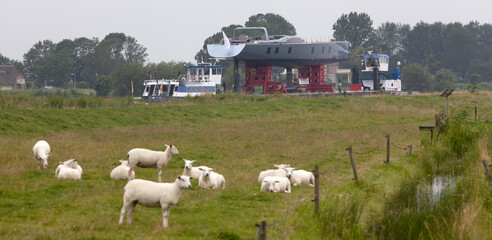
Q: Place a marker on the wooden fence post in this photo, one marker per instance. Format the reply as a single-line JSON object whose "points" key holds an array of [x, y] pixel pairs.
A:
{"points": [[388, 149], [262, 229], [487, 170], [316, 189], [356, 178], [476, 113], [410, 149]]}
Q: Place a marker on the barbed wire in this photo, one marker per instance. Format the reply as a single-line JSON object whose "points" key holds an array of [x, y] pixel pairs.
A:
{"points": [[394, 145], [291, 211], [339, 158], [362, 153]]}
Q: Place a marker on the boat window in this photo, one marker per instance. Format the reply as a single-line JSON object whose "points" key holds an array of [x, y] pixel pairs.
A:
{"points": [[214, 71], [276, 50], [323, 50], [290, 50], [312, 50], [147, 89], [207, 71], [268, 50]]}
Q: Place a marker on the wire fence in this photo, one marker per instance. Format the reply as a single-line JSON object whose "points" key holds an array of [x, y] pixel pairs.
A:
{"points": [[339, 159]]}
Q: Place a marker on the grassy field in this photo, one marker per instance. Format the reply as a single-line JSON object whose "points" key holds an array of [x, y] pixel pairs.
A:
{"points": [[239, 136]]}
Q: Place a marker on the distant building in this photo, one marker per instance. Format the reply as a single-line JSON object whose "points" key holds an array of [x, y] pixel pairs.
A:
{"points": [[10, 78]]}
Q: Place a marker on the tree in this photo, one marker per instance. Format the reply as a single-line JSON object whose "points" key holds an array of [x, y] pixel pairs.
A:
{"points": [[133, 51], [168, 70], [443, 79], [103, 85], [417, 78], [274, 23], [355, 28], [32, 60], [460, 48], [388, 38], [123, 76]]}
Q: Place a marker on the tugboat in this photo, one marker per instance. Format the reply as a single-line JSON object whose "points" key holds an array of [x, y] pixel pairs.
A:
{"points": [[374, 74], [201, 79]]}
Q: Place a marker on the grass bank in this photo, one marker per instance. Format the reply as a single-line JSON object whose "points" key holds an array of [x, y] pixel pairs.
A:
{"points": [[237, 135]]}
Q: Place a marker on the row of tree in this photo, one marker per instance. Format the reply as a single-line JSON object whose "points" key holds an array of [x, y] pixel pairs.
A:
{"points": [[433, 56]]}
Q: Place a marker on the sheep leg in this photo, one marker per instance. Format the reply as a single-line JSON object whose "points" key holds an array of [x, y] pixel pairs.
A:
{"points": [[37, 160], [160, 174], [130, 173], [122, 213], [165, 216], [129, 212]]}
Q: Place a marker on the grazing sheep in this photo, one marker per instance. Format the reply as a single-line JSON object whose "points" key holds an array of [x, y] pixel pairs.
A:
{"points": [[191, 171], [41, 152], [69, 169], [300, 177], [275, 184], [281, 172], [152, 194], [121, 171], [150, 159], [210, 179]]}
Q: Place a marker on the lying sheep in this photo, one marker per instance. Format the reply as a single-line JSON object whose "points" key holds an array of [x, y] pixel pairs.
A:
{"points": [[210, 179], [191, 171], [152, 194], [41, 152], [281, 172], [69, 169], [121, 171], [275, 184], [150, 159], [300, 177]]}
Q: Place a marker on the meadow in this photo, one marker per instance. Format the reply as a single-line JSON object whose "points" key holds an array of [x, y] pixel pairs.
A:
{"points": [[240, 136]]}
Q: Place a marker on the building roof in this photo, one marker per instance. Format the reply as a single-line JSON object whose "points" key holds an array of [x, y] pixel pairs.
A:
{"points": [[9, 75]]}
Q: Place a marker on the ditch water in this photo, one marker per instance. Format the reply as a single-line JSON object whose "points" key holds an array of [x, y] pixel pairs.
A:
{"points": [[430, 194]]}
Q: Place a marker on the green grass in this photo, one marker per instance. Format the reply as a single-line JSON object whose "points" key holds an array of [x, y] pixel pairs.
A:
{"points": [[237, 135]]}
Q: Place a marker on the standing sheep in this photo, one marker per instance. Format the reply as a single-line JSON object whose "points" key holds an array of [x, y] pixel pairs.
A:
{"points": [[300, 177], [210, 179], [121, 171], [69, 169], [41, 152], [275, 184], [150, 159], [191, 171], [152, 194]]}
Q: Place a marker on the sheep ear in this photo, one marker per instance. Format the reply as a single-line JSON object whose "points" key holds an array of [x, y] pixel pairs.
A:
{"points": [[179, 177], [212, 169], [121, 161], [277, 181], [191, 178], [170, 145], [75, 159], [47, 156], [275, 165], [60, 162], [166, 145], [201, 169]]}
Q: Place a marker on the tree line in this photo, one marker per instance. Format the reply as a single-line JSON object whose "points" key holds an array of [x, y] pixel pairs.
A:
{"points": [[433, 56]]}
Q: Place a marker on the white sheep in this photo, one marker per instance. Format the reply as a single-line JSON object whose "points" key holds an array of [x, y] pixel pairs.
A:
{"points": [[69, 169], [121, 171], [41, 152], [275, 184], [150, 159], [211, 179], [281, 172], [300, 177], [191, 171], [152, 194]]}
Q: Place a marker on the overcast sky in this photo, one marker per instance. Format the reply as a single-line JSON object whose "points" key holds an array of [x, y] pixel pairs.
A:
{"points": [[176, 29]]}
